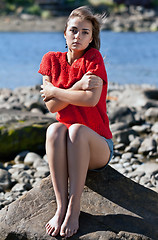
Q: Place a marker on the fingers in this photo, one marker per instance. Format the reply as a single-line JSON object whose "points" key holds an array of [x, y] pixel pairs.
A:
{"points": [[89, 73]]}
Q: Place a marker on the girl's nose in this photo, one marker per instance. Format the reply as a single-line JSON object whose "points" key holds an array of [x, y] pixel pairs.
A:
{"points": [[77, 35]]}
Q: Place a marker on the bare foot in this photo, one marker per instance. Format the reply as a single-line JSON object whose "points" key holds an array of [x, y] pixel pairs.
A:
{"points": [[71, 221], [53, 226]]}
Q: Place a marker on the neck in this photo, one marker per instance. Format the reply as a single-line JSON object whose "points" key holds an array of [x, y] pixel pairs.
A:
{"points": [[72, 56]]}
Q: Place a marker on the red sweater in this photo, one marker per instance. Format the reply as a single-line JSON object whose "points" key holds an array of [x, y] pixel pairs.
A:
{"points": [[63, 75]]}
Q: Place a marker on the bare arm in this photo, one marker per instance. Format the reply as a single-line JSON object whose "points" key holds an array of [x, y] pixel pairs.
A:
{"points": [[90, 87], [53, 104]]}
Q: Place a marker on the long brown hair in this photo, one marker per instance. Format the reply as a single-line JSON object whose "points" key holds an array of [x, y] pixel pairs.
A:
{"points": [[85, 13]]}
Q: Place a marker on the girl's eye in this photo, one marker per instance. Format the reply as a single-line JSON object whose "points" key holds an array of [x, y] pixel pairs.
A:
{"points": [[85, 32], [73, 31]]}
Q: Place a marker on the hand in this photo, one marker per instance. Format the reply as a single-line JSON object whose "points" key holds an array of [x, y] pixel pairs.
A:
{"points": [[90, 81], [47, 91]]}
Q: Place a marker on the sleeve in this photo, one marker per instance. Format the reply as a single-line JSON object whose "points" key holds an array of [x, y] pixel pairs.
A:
{"points": [[95, 64], [46, 65]]}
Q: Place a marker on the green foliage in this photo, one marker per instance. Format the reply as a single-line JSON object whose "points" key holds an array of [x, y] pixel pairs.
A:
{"points": [[28, 6], [45, 14], [20, 2], [10, 7], [34, 9], [155, 3]]}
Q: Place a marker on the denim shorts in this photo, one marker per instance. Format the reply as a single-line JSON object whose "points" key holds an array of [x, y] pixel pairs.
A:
{"points": [[111, 145]]}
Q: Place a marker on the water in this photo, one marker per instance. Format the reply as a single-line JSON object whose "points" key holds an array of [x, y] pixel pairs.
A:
{"points": [[130, 58]]}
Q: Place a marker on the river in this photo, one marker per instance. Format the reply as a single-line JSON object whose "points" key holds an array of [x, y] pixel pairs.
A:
{"points": [[130, 58]]}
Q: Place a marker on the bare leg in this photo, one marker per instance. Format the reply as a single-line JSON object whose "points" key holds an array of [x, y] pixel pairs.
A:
{"points": [[57, 158], [85, 149]]}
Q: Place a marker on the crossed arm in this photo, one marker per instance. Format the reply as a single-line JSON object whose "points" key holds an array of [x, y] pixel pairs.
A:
{"points": [[86, 92]]}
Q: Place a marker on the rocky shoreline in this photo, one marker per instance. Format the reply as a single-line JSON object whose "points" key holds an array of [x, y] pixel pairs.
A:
{"points": [[137, 20], [133, 114]]}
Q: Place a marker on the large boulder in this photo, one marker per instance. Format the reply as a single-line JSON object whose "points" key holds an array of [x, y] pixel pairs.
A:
{"points": [[112, 207], [20, 131]]}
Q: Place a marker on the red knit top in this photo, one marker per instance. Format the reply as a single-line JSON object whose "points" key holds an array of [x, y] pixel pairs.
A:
{"points": [[63, 75]]}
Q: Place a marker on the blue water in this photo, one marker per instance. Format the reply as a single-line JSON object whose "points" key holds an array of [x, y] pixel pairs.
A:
{"points": [[130, 58]]}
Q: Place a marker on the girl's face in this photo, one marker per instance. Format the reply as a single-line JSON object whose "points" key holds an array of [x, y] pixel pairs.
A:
{"points": [[78, 34]]}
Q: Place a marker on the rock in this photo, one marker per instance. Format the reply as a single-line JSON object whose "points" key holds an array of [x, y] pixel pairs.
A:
{"points": [[127, 156], [122, 114], [122, 210], [152, 114], [22, 131], [20, 157], [154, 128], [148, 168], [31, 158], [5, 180], [134, 145], [148, 145], [124, 136], [42, 171], [118, 126], [144, 128], [21, 187], [138, 97]]}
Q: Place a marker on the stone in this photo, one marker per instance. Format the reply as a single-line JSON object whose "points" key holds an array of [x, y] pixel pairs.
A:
{"points": [[112, 207], [120, 146], [21, 187], [31, 158], [23, 131], [145, 128], [148, 145], [152, 114], [143, 97], [148, 168], [134, 145], [127, 156], [42, 171], [118, 126], [124, 136], [20, 157], [154, 128], [5, 180], [122, 114]]}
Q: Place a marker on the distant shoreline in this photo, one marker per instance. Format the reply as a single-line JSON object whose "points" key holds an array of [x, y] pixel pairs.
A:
{"points": [[31, 24], [123, 22]]}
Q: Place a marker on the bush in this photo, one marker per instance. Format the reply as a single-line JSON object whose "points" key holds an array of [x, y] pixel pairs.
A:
{"points": [[45, 14], [34, 9]]}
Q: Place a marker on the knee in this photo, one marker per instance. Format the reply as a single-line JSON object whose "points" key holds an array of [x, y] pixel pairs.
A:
{"points": [[76, 133], [56, 132]]}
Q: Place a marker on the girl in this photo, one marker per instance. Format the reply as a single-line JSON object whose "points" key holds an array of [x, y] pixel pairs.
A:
{"points": [[75, 86]]}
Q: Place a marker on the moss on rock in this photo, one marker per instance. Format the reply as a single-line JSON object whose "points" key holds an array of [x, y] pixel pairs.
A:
{"points": [[20, 137]]}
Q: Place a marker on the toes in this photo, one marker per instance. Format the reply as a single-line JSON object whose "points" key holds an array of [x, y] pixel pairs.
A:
{"points": [[67, 232], [56, 231], [51, 230], [63, 232]]}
